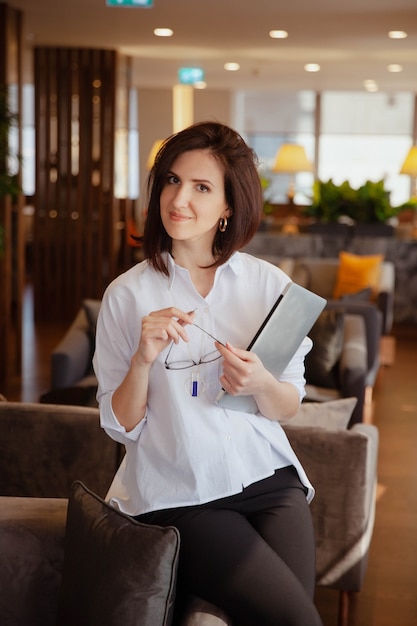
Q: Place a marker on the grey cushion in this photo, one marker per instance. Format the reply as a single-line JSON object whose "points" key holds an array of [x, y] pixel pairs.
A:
{"points": [[331, 415], [116, 570], [327, 336]]}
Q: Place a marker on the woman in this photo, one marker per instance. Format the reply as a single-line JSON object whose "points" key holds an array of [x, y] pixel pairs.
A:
{"points": [[171, 333]]}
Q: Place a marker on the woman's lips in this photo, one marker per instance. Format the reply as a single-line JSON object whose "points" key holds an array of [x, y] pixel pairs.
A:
{"points": [[178, 217]]}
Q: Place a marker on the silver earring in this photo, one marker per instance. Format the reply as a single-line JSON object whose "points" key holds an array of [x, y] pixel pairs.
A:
{"points": [[223, 224]]}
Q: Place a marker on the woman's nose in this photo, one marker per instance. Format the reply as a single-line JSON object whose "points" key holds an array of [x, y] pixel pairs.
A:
{"points": [[182, 196]]}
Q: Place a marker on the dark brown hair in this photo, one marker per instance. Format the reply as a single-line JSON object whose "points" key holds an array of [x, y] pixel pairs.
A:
{"points": [[241, 184]]}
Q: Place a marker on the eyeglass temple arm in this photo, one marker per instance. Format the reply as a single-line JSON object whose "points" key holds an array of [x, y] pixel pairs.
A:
{"points": [[207, 333]]}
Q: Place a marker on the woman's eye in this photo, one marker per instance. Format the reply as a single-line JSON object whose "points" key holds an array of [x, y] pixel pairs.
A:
{"points": [[172, 180], [202, 187]]}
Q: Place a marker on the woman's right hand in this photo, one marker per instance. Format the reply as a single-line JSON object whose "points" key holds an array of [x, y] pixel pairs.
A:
{"points": [[159, 328]]}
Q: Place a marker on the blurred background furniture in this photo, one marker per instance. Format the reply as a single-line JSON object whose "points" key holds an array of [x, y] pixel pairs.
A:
{"points": [[353, 369], [320, 275], [374, 303], [337, 365], [72, 377], [342, 465]]}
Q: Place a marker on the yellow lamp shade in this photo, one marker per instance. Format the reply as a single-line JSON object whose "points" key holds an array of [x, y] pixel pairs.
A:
{"points": [[290, 159], [410, 164], [153, 152]]}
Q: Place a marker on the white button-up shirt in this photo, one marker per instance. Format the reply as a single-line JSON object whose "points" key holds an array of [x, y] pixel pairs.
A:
{"points": [[188, 450]]}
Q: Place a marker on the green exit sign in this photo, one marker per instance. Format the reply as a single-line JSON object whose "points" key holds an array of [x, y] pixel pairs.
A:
{"points": [[130, 3]]}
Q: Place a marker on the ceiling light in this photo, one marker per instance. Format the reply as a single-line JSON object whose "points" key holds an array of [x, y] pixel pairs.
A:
{"points": [[163, 32], [200, 84], [395, 67], [397, 34], [231, 67], [312, 67], [370, 85], [278, 34]]}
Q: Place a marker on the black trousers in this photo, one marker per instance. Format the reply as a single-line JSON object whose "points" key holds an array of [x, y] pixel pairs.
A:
{"points": [[251, 554]]}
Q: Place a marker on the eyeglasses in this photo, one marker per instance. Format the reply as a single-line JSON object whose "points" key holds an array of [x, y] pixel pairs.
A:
{"points": [[187, 363]]}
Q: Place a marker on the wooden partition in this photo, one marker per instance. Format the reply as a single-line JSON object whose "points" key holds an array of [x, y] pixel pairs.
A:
{"points": [[76, 239], [11, 234]]}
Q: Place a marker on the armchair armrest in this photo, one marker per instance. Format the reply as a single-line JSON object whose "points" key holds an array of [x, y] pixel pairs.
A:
{"points": [[387, 277], [353, 364], [385, 296]]}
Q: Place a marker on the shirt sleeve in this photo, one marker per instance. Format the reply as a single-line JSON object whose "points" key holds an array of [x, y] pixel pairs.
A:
{"points": [[294, 372], [117, 337]]}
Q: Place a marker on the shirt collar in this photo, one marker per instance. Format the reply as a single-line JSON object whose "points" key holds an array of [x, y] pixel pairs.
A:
{"points": [[235, 264]]}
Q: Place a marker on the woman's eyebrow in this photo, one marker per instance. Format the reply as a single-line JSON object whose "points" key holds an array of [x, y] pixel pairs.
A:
{"points": [[203, 180], [194, 180]]}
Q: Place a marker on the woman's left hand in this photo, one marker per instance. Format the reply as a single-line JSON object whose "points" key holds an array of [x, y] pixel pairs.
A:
{"points": [[244, 375], [243, 371]]}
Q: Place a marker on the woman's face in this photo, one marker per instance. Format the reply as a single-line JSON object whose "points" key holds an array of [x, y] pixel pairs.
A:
{"points": [[193, 200]]}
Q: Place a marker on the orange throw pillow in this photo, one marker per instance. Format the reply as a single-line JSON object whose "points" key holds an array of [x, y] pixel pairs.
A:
{"points": [[356, 273]]}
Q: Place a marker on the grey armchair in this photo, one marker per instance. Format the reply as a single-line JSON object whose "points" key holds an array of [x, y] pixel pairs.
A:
{"points": [[342, 466], [350, 371]]}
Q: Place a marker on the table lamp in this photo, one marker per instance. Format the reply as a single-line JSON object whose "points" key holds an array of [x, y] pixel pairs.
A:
{"points": [[409, 167], [291, 159], [153, 152]]}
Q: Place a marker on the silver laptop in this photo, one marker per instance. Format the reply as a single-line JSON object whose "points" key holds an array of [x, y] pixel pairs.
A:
{"points": [[279, 337]]}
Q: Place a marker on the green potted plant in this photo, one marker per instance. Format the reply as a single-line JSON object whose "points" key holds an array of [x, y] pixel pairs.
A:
{"points": [[368, 207], [330, 202], [371, 203]]}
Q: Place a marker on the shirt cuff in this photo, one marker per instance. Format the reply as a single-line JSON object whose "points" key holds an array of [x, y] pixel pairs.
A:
{"points": [[111, 424]]}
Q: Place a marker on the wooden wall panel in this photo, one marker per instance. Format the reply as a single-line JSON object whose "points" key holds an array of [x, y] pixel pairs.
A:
{"points": [[75, 209]]}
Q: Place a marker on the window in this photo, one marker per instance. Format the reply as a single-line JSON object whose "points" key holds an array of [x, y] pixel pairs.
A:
{"points": [[271, 119], [366, 136], [361, 136]]}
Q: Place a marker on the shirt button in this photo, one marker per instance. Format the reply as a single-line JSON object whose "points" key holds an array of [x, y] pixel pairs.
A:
{"points": [[228, 437]]}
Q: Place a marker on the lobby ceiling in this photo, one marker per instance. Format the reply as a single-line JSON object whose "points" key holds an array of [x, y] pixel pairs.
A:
{"points": [[349, 40]]}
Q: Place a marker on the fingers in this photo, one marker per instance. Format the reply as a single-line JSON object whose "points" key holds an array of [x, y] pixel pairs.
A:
{"points": [[159, 328], [167, 324], [232, 354], [241, 369]]}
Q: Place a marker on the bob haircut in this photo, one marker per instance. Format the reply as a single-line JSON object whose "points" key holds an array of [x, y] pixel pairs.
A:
{"points": [[242, 187]]}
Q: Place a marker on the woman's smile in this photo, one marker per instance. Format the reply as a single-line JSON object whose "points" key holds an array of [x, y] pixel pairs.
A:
{"points": [[176, 216]]}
